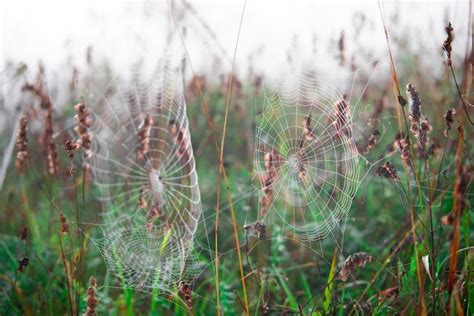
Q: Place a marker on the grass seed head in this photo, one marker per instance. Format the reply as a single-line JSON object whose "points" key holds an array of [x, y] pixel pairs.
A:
{"points": [[447, 45], [414, 104], [91, 299], [388, 171], [22, 145], [359, 259], [83, 122], [144, 137], [64, 224], [449, 120]]}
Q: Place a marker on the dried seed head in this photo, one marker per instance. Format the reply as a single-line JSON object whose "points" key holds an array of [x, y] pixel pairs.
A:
{"points": [[388, 171], [91, 299], [402, 143], [372, 141], [405, 151], [359, 259], [21, 145], [447, 47], [23, 263], [83, 122], [341, 117], [449, 119], [141, 198], [52, 159], [308, 130], [257, 229], [267, 179], [401, 100], [185, 291], [420, 126], [64, 224], [144, 137], [414, 104], [70, 147]]}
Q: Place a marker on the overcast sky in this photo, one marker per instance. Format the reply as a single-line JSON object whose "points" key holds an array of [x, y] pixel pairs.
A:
{"points": [[58, 31]]}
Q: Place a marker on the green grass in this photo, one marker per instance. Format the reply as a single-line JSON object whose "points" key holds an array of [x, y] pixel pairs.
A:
{"points": [[281, 274]]}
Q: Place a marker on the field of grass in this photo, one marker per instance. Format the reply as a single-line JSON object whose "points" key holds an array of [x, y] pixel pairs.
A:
{"points": [[404, 246]]}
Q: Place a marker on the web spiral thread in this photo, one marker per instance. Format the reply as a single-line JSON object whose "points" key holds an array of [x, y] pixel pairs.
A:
{"points": [[144, 166], [306, 159]]}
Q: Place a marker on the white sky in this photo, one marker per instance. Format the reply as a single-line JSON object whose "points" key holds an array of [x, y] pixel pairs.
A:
{"points": [[122, 32]]}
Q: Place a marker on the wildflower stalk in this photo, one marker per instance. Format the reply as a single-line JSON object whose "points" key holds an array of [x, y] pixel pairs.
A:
{"points": [[458, 207], [401, 104], [447, 47]]}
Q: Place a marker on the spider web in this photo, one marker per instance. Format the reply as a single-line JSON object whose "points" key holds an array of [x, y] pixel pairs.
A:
{"points": [[306, 131], [143, 164]]}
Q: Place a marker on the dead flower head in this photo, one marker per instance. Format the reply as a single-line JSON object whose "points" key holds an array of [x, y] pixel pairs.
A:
{"points": [[359, 259], [21, 145], [447, 47]]}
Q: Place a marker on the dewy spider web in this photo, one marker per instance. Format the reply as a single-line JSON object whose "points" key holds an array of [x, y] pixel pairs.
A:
{"points": [[142, 161], [307, 164]]}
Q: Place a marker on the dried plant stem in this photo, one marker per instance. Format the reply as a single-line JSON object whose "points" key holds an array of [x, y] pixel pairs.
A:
{"points": [[457, 210], [62, 252], [68, 280], [222, 172], [396, 85], [384, 263], [458, 90], [399, 101], [80, 240]]}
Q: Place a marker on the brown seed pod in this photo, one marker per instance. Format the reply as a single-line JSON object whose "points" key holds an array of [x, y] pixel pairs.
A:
{"points": [[185, 292], [52, 159], [372, 141], [449, 119], [257, 229], [64, 224], [388, 171], [83, 122], [91, 299], [70, 147], [341, 117], [141, 198], [308, 130], [447, 47], [144, 137], [21, 145], [414, 104], [359, 259]]}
